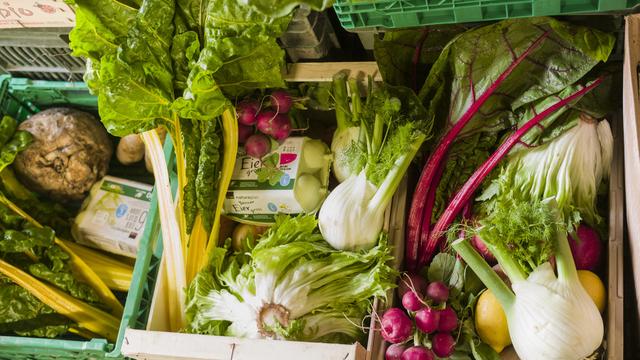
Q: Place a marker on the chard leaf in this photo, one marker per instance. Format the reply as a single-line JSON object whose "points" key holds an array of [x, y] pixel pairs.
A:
{"points": [[441, 268], [23, 314], [405, 56], [101, 26], [208, 175]]}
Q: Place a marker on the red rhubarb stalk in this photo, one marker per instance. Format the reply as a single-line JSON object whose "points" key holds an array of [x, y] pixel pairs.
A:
{"points": [[468, 189], [427, 182]]}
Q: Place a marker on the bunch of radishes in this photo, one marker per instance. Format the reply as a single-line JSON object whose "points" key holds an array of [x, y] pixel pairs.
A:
{"points": [[269, 117], [426, 319]]}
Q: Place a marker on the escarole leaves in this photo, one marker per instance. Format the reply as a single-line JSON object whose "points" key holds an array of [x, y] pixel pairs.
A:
{"points": [[491, 73], [293, 285]]}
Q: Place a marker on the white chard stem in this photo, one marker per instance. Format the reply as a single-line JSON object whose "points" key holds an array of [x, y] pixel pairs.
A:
{"points": [[172, 245]]}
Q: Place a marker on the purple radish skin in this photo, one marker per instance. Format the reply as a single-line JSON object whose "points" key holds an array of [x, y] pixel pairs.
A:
{"points": [[411, 301], [417, 353], [586, 249], [427, 320], [394, 351], [448, 320], [409, 281], [396, 326], [281, 127], [438, 291], [443, 344], [247, 111], [244, 132], [479, 245], [257, 146], [265, 122], [281, 101]]}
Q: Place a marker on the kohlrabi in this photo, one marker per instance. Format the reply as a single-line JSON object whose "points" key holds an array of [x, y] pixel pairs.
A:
{"points": [[548, 317], [393, 126]]}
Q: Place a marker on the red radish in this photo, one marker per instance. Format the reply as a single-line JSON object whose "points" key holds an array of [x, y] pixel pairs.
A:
{"points": [[420, 216], [257, 146], [394, 351], [438, 291], [498, 269], [586, 249], [413, 282], [428, 320], [396, 326], [417, 353], [448, 320], [281, 127], [411, 301], [247, 111], [244, 132], [482, 249], [468, 189], [281, 101], [443, 344], [265, 121]]}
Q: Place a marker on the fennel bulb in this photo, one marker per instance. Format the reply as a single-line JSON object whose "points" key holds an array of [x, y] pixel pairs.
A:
{"points": [[548, 317], [346, 219], [554, 318], [394, 126]]}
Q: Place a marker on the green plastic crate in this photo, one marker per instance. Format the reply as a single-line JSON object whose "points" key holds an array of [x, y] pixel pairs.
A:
{"points": [[21, 98], [390, 14]]}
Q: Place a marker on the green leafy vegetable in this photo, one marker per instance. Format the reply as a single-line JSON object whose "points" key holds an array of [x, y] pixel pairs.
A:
{"points": [[293, 286], [270, 169], [191, 138], [405, 56], [208, 172], [476, 88], [45, 211], [21, 313]]}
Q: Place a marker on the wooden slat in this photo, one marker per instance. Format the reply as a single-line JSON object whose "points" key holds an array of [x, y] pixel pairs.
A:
{"points": [[157, 345], [298, 72]]}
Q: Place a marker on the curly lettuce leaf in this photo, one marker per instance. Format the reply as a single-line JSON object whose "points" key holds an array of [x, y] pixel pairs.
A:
{"points": [[291, 270]]}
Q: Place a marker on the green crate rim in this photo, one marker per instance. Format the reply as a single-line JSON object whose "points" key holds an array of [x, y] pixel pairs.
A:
{"points": [[391, 14]]}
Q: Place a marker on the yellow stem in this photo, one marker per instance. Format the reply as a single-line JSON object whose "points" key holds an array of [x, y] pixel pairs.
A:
{"points": [[197, 248], [88, 317], [82, 269]]}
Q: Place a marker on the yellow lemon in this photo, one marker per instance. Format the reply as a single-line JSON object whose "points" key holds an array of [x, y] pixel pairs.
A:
{"points": [[594, 287], [491, 322]]}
